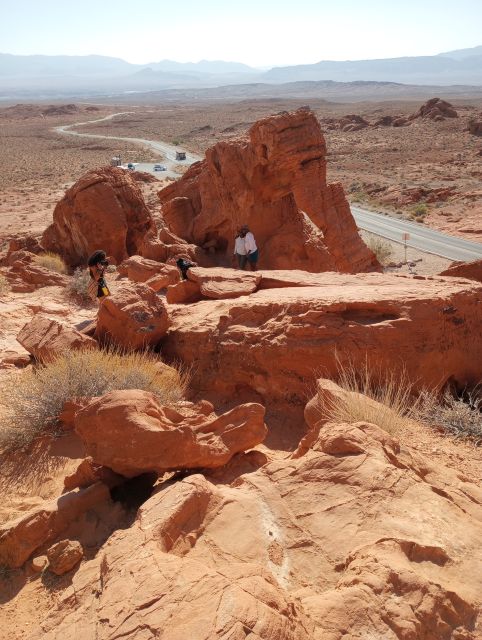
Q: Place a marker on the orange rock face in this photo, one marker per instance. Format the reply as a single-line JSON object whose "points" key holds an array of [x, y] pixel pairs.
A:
{"points": [[470, 270], [274, 181], [45, 338], [103, 210], [64, 555], [156, 274], [131, 433], [309, 548], [133, 317], [274, 342]]}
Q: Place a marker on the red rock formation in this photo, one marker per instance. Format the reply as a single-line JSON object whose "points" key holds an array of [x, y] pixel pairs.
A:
{"points": [[131, 433], [133, 317], [274, 181], [45, 338], [435, 109], [155, 274], [302, 548], [475, 127], [275, 342], [105, 210], [21, 537], [220, 284], [469, 270]]}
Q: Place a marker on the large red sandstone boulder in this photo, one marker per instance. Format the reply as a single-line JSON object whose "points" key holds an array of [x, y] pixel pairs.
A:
{"points": [[45, 338], [156, 274], [274, 180], [475, 127], [357, 538], [105, 210], [133, 317], [276, 342], [132, 433], [469, 270]]}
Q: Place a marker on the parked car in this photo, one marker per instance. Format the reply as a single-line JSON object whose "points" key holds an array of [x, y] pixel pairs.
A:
{"points": [[130, 165], [159, 167]]}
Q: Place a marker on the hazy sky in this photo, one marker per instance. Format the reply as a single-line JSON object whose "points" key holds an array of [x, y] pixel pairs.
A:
{"points": [[257, 32]]}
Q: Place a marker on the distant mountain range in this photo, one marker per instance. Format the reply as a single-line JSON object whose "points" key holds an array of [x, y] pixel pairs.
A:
{"points": [[60, 76]]}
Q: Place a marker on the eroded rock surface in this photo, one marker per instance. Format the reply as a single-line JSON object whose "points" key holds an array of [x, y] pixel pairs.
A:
{"points": [[274, 342], [45, 338], [133, 317], [132, 433], [316, 547], [275, 181]]}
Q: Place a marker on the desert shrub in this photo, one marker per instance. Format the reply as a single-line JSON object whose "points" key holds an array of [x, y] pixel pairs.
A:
{"points": [[33, 399], [420, 210], [78, 284], [3, 285], [51, 261], [391, 392], [458, 415], [381, 248]]}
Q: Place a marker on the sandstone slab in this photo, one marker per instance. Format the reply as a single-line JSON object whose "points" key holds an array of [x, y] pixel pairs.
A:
{"points": [[220, 284], [45, 338], [132, 433], [470, 270], [276, 342], [156, 274]]}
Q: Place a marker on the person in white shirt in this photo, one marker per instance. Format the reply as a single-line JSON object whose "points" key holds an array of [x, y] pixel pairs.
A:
{"points": [[240, 250], [251, 247]]}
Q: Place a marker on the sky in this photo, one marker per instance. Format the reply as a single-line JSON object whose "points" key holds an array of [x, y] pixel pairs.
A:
{"points": [[261, 33]]}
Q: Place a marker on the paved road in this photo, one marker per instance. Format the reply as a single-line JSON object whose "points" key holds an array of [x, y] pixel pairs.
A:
{"points": [[421, 237], [168, 151]]}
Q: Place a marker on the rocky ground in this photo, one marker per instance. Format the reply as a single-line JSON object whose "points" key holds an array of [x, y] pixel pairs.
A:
{"points": [[240, 508]]}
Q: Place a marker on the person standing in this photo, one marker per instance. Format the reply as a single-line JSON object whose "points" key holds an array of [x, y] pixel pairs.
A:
{"points": [[252, 253], [240, 250], [97, 287]]}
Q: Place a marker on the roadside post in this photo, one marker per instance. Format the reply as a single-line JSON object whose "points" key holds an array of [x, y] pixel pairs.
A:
{"points": [[405, 237]]}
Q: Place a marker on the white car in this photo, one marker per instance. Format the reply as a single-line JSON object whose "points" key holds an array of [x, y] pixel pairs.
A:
{"points": [[159, 167]]}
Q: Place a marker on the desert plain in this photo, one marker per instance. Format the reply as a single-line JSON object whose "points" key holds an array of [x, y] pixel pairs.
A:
{"points": [[243, 508]]}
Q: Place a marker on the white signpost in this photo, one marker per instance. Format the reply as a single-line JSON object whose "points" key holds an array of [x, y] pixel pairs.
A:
{"points": [[405, 237]]}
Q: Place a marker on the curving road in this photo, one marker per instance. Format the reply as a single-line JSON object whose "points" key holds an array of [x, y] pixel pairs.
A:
{"points": [[168, 151], [421, 237]]}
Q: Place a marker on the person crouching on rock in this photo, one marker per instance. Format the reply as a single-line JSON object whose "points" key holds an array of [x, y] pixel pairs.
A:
{"points": [[251, 248], [97, 288], [240, 250], [184, 265]]}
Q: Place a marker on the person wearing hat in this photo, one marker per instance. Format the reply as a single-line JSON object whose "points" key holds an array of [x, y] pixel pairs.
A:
{"points": [[251, 247]]}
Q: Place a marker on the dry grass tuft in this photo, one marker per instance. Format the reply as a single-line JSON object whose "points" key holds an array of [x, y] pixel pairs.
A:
{"points": [[33, 399], [460, 416], [78, 284], [381, 248], [382, 400], [51, 261], [4, 287]]}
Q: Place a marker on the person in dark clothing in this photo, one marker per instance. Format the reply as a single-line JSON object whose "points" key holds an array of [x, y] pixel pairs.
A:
{"points": [[184, 265], [98, 263]]}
